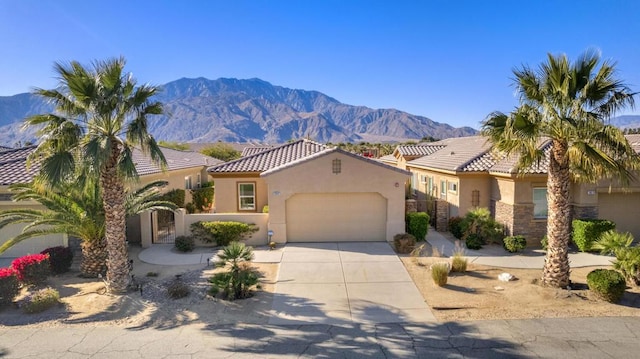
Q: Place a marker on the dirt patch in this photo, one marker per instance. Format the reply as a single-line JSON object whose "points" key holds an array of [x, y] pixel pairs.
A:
{"points": [[84, 301], [478, 294]]}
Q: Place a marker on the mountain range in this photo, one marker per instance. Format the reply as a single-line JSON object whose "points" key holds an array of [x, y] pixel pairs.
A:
{"points": [[253, 110]]}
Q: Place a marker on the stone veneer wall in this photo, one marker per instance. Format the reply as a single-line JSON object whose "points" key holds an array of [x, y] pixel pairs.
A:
{"points": [[584, 212], [442, 215], [518, 220]]}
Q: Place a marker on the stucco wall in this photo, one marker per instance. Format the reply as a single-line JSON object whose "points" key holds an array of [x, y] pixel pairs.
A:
{"points": [[176, 179], [315, 176], [226, 193], [184, 221]]}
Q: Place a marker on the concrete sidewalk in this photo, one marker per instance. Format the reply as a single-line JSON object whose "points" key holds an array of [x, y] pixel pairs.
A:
{"points": [[165, 254], [496, 256]]}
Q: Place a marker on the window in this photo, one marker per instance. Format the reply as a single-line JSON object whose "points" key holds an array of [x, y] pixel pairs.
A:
{"points": [[5, 196], [198, 181], [430, 187], [453, 187], [187, 182], [475, 198], [540, 208], [443, 189], [423, 179], [414, 182], [247, 196], [336, 166]]}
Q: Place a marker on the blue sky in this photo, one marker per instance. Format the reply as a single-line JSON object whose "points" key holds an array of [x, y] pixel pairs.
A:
{"points": [[448, 60]]}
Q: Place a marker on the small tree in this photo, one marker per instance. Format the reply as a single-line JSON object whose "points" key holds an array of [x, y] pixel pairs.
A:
{"points": [[239, 279], [221, 151]]}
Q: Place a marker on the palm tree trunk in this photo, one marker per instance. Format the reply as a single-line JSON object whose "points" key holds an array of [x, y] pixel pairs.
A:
{"points": [[556, 266], [94, 258], [115, 214]]}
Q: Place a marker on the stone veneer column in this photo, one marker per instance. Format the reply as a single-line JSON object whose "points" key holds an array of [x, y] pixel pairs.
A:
{"points": [[442, 215], [584, 212], [410, 206], [518, 220]]}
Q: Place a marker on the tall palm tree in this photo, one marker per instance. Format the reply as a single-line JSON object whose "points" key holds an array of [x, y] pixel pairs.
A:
{"points": [[100, 115], [76, 211], [568, 104]]}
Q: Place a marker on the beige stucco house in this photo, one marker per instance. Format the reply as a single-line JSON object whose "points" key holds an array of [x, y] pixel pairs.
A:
{"points": [[463, 174], [185, 170], [315, 193]]}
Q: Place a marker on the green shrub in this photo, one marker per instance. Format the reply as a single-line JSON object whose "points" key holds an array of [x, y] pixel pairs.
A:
{"points": [[222, 233], [473, 241], [544, 242], [628, 262], [190, 207], [178, 289], [404, 243], [41, 301], [203, 197], [418, 225], [587, 231], [265, 209], [239, 279], [607, 284], [514, 244], [440, 273], [9, 286], [175, 196], [60, 258], [185, 243], [480, 223], [455, 227], [32, 269], [611, 241], [458, 262]]}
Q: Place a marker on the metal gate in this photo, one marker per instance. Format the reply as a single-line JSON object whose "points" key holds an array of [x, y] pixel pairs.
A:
{"points": [[164, 224]]}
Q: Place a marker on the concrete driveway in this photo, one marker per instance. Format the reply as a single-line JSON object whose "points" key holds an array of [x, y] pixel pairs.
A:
{"points": [[340, 283]]}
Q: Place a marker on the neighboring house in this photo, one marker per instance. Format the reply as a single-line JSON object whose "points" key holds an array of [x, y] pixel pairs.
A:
{"points": [[185, 170], [315, 193], [463, 174], [252, 150]]}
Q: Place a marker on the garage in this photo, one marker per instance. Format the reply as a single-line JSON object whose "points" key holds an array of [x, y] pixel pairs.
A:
{"points": [[333, 217], [621, 208]]}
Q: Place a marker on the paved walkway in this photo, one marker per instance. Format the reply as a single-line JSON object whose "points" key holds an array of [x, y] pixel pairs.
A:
{"points": [[533, 338], [496, 256], [165, 254], [341, 283]]}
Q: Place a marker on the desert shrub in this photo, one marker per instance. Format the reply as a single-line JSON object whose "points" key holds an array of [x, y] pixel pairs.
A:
{"points": [[178, 289], [60, 259], [175, 196], [239, 278], [611, 241], [9, 286], [479, 222], [32, 269], [265, 209], [587, 231], [458, 262], [418, 225], [404, 243], [190, 207], [628, 262], [440, 273], [222, 233], [184, 243], [473, 241], [544, 242], [203, 197], [514, 244], [41, 300], [455, 227], [607, 284]]}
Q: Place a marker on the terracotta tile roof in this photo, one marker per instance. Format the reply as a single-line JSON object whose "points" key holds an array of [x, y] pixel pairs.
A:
{"points": [[455, 154], [388, 158], [481, 163], [3, 148], [272, 158], [13, 163], [418, 150], [252, 150], [329, 151], [634, 141], [13, 166], [509, 164], [175, 160]]}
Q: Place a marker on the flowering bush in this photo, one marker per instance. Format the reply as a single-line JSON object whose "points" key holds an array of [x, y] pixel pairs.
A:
{"points": [[32, 269], [8, 286], [60, 258]]}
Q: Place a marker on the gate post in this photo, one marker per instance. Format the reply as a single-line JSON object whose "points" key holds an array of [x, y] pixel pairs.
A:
{"points": [[178, 216], [146, 237]]}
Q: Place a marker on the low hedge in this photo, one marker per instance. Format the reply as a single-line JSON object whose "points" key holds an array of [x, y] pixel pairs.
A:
{"points": [[455, 227], [9, 286], [60, 259], [221, 232], [184, 243], [587, 231], [32, 269], [418, 225], [607, 284], [514, 244]]}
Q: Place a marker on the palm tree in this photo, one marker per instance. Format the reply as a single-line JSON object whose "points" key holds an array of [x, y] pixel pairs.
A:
{"points": [[76, 211], [100, 115], [568, 104]]}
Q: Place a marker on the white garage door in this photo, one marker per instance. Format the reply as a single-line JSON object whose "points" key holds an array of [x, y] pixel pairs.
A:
{"points": [[623, 209], [333, 217]]}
